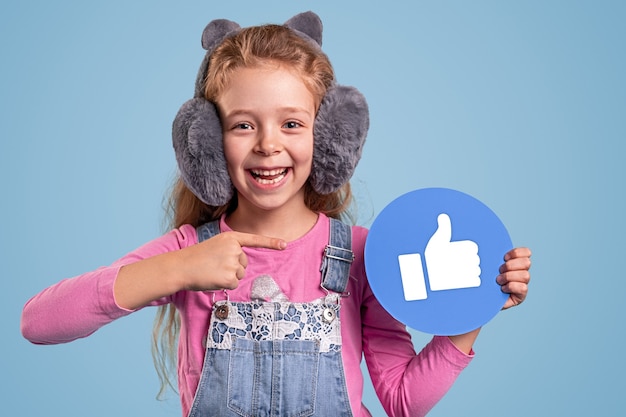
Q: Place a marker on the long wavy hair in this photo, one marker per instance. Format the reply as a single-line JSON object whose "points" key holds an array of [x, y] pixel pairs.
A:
{"points": [[252, 47]]}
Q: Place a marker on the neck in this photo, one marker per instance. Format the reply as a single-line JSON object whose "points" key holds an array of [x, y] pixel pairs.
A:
{"points": [[286, 224]]}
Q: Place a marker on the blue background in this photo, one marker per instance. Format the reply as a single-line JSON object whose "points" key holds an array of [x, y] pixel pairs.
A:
{"points": [[520, 104], [405, 226]]}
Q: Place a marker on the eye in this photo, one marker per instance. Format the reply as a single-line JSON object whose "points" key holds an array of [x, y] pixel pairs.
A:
{"points": [[292, 125], [243, 126]]}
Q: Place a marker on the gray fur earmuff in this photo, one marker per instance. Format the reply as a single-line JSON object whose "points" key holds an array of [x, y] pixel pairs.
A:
{"points": [[339, 129]]}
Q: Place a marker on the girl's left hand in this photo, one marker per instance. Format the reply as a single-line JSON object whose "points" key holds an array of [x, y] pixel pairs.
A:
{"points": [[515, 276]]}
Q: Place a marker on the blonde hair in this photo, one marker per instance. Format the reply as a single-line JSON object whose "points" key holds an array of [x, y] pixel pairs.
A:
{"points": [[252, 47]]}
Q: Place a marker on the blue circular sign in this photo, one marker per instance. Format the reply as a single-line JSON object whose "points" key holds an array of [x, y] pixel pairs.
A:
{"points": [[432, 257]]}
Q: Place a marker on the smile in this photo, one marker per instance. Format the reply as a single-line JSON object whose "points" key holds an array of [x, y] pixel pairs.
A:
{"points": [[271, 176]]}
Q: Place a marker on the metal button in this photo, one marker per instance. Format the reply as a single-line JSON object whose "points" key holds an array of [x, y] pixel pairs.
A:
{"points": [[221, 312], [328, 315]]}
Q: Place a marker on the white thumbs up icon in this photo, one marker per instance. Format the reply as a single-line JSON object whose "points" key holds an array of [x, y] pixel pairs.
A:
{"points": [[450, 265]]}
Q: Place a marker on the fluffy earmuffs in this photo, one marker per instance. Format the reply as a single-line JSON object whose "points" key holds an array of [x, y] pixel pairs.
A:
{"points": [[339, 129]]}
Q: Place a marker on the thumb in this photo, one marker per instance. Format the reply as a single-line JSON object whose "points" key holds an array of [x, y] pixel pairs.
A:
{"points": [[443, 234], [259, 241]]}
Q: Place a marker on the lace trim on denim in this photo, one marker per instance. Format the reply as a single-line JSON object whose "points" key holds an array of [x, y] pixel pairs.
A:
{"points": [[261, 321]]}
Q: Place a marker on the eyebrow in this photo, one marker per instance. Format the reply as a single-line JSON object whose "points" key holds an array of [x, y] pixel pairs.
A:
{"points": [[244, 112]]}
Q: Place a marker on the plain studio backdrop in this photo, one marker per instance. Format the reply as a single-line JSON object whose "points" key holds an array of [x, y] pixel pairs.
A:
{"points": [[521, 104]]}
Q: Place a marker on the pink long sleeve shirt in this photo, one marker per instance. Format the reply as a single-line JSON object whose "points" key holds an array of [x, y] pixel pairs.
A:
{"points": [[407, 384]]}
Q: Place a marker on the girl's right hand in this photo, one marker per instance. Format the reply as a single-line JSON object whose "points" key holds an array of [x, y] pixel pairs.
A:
{"points": [[220, 262], [214, 264]]}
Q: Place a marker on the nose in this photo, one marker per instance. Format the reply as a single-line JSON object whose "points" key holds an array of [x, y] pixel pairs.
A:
{"points": [[268, 142]]}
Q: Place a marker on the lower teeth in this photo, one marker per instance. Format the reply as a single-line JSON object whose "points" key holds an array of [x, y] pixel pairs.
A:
{"points": [[269, 181]]}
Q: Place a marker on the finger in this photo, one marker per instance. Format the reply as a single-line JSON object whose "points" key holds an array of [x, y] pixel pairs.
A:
{"points": [[240, 273], [231, 284], [516, 264], [513, 276], [243, 260], [511, 302], [517, 290], [258, 241], [517, 253]]}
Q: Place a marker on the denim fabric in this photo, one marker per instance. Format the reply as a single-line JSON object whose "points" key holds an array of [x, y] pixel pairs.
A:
{"points": [[338, 257], [277, 358], [272, 378]]}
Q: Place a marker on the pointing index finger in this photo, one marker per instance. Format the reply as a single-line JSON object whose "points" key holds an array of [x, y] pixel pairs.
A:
{"points": [[259, 241]]}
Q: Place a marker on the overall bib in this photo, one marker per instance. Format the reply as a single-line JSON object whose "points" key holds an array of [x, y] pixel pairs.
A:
{"points": [[278, 358]]}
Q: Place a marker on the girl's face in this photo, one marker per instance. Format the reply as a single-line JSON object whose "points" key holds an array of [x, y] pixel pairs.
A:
{"points": [[267, 115]]}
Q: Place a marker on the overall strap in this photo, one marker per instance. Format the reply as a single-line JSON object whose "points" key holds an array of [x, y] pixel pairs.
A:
{"points": [[208, 230], [338, 257]]}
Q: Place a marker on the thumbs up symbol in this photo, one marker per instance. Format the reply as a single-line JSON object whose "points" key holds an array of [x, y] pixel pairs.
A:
{"points": [[450, 265]]}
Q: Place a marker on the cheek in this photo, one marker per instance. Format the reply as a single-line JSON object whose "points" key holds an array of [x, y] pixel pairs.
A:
{"points": [[303, 159], [305, 151], [232, 154]]}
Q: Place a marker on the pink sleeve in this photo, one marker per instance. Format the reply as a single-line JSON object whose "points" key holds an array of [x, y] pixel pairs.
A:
{"points": [[407, 384], [76, 307]]}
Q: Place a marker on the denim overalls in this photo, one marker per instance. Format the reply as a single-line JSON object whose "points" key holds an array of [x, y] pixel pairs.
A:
{"points": [[278, 358]]}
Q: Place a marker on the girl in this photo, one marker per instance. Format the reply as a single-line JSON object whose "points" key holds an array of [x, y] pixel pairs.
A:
{"points": [[260, 287]]}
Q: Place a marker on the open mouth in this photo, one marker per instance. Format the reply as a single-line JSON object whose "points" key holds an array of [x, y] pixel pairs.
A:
{"points": [[271, 176]]}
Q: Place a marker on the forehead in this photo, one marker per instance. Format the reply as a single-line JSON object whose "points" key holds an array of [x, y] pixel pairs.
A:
{"points": [[265, 87]]}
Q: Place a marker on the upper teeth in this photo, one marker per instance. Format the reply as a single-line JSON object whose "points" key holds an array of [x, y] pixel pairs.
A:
{"points": [[268, 172]]}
